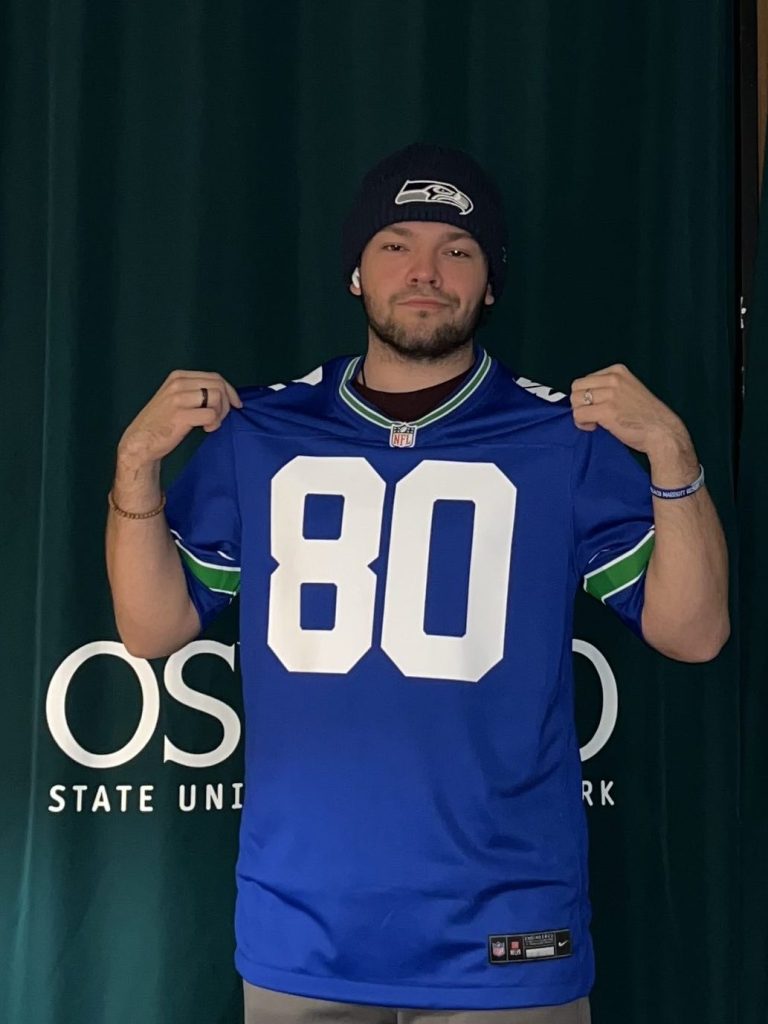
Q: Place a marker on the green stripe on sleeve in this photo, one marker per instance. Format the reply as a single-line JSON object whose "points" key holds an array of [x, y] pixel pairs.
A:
{"points": [[215, 577], [622, 572]]}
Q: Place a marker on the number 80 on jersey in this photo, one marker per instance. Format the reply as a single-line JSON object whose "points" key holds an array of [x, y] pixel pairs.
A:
{"points": [[345, 562]]}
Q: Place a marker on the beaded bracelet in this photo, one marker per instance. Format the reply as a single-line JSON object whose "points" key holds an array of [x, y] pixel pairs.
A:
{"points": [[681, 492], [135, 515]]}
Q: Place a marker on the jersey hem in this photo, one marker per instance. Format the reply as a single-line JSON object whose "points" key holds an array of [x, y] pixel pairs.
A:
{"points": [[406, 996]]}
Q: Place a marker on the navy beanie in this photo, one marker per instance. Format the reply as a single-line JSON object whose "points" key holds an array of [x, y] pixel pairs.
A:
{"points": [[423, 182]]}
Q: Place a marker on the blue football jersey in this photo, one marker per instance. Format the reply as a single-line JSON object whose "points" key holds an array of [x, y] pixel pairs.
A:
{"points": [[412, 832]]}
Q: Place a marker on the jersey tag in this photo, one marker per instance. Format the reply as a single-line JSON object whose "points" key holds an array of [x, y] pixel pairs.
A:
{"points": [[514, 949], [402, 435]]}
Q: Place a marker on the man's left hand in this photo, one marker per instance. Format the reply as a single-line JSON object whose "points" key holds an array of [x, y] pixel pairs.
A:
{"points": [[625, 407]]}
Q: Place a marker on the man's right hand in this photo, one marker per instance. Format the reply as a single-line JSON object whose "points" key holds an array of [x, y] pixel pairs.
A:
{"points": [[171, 413]]}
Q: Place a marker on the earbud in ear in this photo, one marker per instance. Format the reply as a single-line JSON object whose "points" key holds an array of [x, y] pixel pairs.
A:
{"points": [[356, 277]]}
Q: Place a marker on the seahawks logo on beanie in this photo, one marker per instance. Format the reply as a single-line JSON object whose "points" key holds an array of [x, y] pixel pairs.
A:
{"points": [[434, 192]]}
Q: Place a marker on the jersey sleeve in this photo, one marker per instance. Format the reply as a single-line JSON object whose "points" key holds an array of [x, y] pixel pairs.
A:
{"points": [[203, 514], [613, 525]]}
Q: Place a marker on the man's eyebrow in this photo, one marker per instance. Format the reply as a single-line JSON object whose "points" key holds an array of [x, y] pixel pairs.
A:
{"points": [[449, 236]]}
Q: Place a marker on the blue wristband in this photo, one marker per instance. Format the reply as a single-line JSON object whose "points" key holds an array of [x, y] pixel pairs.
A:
{"points": [[681, 492]]}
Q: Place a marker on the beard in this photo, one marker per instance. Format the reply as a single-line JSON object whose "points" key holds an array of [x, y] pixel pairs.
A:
{"points": [[422, 341]]}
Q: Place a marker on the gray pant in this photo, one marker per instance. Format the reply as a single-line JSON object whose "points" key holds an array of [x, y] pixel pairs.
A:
{"points": [[263, 1006]]}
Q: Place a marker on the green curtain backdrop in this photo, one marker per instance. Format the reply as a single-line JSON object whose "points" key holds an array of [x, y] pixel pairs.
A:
{"points": [[753, 501], [172, 179]]}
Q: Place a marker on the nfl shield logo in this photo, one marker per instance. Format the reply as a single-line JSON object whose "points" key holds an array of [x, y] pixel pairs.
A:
{"points": [[498, 949], [402, 435]]}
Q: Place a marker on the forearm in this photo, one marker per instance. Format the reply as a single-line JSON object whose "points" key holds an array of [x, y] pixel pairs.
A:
{"points": [[153, 610], [685, 615]]}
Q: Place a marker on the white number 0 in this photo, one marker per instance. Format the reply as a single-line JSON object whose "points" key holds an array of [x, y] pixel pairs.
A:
{"points": [[346, 562]]}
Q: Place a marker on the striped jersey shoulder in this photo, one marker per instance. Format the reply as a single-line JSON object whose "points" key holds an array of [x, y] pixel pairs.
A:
{"points": [[217, 571], [621, 572]]}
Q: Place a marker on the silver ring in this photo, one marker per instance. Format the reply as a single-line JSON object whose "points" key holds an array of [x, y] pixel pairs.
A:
{"points": [[588, 399], [204, 403]]}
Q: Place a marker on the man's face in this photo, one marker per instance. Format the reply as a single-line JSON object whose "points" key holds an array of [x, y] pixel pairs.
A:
{"points": [[423, 286]]}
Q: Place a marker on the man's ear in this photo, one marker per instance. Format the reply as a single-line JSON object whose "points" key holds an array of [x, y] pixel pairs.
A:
{"points": [[354, 286], [489, 296]]}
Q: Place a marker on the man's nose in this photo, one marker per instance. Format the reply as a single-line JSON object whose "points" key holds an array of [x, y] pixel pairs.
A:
{"points": [[424, 270]]}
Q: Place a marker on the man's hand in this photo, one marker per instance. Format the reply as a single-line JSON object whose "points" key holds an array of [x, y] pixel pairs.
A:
{"points": [[172, 412], [616, 400], [627, 409], [161, 426]]}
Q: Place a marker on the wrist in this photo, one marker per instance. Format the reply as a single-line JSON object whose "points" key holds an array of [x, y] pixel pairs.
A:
{"points": [[673, 459], [137, 484], [133, 465]]}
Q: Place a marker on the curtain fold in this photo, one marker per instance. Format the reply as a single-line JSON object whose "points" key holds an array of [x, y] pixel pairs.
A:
{"points": [[752, 502]]}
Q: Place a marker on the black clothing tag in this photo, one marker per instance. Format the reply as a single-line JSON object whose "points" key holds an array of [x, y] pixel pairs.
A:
{"points": [[515, 949]]}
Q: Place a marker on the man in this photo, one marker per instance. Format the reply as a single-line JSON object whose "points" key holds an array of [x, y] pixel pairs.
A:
{"points": [[406, 533]]}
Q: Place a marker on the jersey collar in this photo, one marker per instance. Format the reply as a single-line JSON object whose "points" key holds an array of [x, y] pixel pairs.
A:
{"points": [[358, 404]]}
